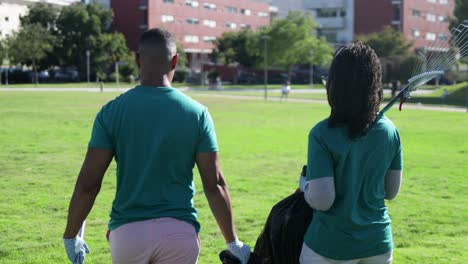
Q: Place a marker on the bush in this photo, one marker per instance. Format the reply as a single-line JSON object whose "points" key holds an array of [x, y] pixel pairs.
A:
{"points": [[180, 76]]}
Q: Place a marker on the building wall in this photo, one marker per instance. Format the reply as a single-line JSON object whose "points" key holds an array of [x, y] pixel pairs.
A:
{"points": [[285, 6], [421, 21], [129, 19], [12, 10], [207, 24], [372, 16], [10, 14], [335, 17], [426, 21]]}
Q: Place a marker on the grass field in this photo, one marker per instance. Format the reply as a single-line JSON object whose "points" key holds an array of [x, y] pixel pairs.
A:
{"points": [[43, 138]]}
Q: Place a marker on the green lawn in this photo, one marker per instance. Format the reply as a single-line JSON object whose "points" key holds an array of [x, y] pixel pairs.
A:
{"points": [[43, 138]]}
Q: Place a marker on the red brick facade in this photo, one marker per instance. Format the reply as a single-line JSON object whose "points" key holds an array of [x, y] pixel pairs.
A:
{"points": [[421, 21], [194, 23]]}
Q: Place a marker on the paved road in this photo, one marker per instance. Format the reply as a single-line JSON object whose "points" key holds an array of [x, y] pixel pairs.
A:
{"points": [[206, 93]]}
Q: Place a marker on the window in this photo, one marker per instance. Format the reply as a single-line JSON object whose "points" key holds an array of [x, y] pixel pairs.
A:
{"points": [[342, 13], [167, 18], [416, 13], [431, 36], [442, 37], [168, 1], [231, 25], [209, 6], [397, 14], [262, 14], [443, 19], [191, 39], [245, 12], [192, 21], [7, 19], [431, 1], [231, 9], [431, 17], [443, 2], [245, 26], [331, 36], [416, 33], [209, 38], [327, 12], [209, 23], [191, 3]]}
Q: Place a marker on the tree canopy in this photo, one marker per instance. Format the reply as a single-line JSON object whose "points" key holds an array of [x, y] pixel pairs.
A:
{"points": [[75, 29], [387, 43], [30, 45], [289, 42]]}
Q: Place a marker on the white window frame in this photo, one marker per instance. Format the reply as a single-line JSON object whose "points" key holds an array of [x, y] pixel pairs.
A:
{"points": [[209, 23], [167, 18], [191, 39]]}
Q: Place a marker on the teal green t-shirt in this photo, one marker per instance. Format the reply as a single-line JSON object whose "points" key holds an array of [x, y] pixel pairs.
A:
{"points": [[155, 133], [357, 225]]}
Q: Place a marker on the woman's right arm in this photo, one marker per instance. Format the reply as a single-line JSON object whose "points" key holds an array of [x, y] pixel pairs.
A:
{"points": [[392, 183]]}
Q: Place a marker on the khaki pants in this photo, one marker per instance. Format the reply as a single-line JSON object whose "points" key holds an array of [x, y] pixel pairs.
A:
{"points": [[308, 256], [156, 241]]}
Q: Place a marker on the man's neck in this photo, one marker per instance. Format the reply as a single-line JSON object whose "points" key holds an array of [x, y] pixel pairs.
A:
{"points": [[154, 81]]}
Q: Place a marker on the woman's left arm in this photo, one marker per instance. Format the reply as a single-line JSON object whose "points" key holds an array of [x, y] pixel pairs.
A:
{"points": [[320, 193]]}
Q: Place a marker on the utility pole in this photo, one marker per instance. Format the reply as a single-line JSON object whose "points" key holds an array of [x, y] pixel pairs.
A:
{"points": [[265, 62], [88, 53], [311, 52]]}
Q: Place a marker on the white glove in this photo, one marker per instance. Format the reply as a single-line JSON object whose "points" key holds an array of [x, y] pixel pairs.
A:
{"points": [[76, 249], [303, 183], [240, 250]]}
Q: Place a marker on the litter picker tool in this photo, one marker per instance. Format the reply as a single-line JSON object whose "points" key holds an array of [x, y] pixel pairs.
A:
{"points": [[435, 61]]}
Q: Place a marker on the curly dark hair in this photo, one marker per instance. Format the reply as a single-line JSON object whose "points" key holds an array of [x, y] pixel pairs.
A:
{"points": [[354, 88]]}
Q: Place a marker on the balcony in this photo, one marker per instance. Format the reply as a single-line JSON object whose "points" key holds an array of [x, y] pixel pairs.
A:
{"points": [[316, 4], [331, 22]]}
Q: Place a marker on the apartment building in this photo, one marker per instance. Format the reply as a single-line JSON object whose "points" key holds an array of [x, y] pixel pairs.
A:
{"points": [[421, 21], [12, 10], [196, 24], [335, 19]]}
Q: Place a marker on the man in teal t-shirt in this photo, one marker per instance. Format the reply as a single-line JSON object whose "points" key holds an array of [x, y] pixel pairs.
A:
{"points": [[156, 135]]}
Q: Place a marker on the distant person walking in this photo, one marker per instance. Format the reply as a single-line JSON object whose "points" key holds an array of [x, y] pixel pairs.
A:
{"points": [[156, 135], [285, 90], [354, 164]]}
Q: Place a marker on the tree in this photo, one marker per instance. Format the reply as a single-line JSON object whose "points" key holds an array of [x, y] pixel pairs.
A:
{"points": [[387, 43], [43, 14], [460, 13], [79, 27], [31, 45], [112, 49], [236, 47], [292, 39]]}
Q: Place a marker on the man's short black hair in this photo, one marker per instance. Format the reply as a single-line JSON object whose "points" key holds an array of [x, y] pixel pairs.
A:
{"points": [[158, 38]]}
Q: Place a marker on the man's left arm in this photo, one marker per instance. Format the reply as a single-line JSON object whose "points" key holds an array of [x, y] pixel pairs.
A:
{"points": [[87, 188]]}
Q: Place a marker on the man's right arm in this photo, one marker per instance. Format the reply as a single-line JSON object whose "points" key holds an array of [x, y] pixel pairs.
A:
{"points": [[217, 193]]}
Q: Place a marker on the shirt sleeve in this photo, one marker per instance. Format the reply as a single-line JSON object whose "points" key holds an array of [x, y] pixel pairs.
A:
{"points": [[319, 159], [397, 161], [100, 137], [208, 142]]}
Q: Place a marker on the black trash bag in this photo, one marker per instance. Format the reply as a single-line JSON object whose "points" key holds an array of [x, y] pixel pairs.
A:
{"points": [[228, 258], [281, 239]]}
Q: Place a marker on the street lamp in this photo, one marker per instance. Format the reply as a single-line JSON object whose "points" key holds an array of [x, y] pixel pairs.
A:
{"points": [[311, 52], [88, 54], [265, 57]]}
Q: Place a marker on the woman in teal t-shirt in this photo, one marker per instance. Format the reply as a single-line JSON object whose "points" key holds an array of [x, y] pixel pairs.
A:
{"points": [[354, 164]]}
